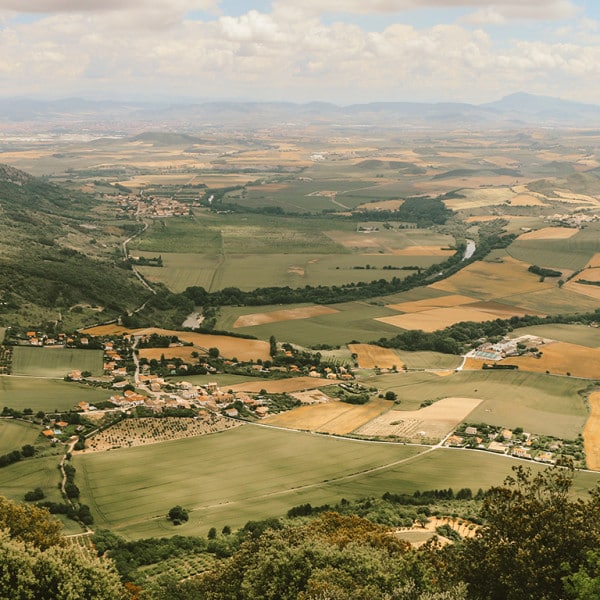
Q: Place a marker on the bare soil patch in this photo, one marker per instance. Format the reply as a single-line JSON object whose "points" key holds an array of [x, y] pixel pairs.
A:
{"points": [[370, 356], [592, 291], [550, 233], [427, 424], [591, 433], [290, 314], [381, 205], [332, 417], [183, 352]]}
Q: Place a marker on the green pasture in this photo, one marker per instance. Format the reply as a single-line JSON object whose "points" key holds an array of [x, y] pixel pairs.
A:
{"points": [[131, 490], [19, 478], [209, 233], [15, 434], [46, 394], [571, 253], [583, 335], [428, 360], [540, 403], [182, 270], [353, 322], [55, 362], [252, 473]]}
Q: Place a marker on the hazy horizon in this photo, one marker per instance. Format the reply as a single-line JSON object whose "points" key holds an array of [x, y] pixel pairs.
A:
{"points": [[343, 52]]}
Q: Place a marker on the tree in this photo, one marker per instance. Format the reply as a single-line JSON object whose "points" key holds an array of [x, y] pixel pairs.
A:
{"points": [[534, 535], [213, 353], [178, 515], [391, 395], [212, 533]]}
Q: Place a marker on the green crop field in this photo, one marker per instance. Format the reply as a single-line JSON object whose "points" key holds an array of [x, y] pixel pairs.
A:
{"points": [[583, 335], [19, 478], [55, 362], [539, 403], [253, 473], [46, 394], [353, 322], [14, 434], [571, 253], [127, 491], [552, 301], [428, 360]]}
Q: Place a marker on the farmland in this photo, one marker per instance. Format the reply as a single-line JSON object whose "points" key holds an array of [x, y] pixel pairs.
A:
{"points": [[46, 394], [369, 356], [14, 434], [330, 417], [290, 469], [55, 362]]}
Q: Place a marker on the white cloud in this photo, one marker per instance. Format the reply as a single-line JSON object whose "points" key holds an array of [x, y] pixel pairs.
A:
{"points": [[274, 56], [57, 6], [506, 9]]}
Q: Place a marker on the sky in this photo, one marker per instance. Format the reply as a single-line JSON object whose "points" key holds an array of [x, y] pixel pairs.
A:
{"points": [[341, 51]]}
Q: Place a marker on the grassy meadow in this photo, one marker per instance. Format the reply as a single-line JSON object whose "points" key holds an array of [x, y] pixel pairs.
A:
{"points": [[254, 473], [55, 362], [48, 395], [539, 403], [14, 434]]}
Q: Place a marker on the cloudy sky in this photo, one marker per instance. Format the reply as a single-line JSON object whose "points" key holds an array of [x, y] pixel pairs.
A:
{"points": [[342, 51]]}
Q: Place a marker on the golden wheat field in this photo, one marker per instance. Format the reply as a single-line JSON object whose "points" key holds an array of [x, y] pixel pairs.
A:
{"points": [[493, 280], [550, 233], [591, 433], [369, 356], [332, 417]]}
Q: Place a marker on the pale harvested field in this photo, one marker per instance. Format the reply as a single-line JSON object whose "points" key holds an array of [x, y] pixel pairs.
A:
{"points": [[592, 274], [592, 291], [290, 314], [370, 356], [353, 240], [278, 386], [381, 205], [422, 251], [439, 318], [332, 417], [594, 261], [494, 280], [430, 423], [429, 303], [526, 200], [576, 198], [561, 358], [550, 233], [474, 364], [591, 433], [141, 432], [229, 347]]}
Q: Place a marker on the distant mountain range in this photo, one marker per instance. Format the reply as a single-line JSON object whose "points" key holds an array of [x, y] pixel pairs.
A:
{"points": [[515, 110]]}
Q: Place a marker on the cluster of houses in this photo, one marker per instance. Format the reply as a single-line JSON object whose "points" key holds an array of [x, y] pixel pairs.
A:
{"points": [[507, 347], [37, 338], [578, 219], [151, 206], [505, 441]]}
